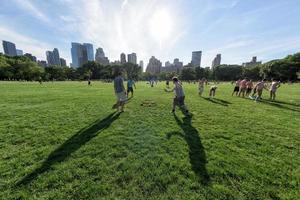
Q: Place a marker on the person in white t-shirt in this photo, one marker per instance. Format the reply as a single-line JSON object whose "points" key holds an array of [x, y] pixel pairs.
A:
{"points": [[179, 96]]}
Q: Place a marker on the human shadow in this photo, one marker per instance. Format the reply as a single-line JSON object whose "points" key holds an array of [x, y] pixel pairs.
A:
{"points": [[217, 101], [70, 146], [286, 103], [197, 154], [278, 105]]}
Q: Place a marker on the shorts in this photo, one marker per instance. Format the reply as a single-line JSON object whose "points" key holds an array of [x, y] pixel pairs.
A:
{"points": [[121, 96], [236, 89], [130, 89], [179, 101], [242, 89]]}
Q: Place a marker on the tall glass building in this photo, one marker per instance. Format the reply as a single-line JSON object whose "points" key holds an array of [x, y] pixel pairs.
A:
{"points": [[9, 48], [196, 58], [90, 51], [79, 54]]}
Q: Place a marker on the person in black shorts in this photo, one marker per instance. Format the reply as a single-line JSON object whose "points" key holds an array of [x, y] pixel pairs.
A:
{"points": [[236, 88], [130, 84]]}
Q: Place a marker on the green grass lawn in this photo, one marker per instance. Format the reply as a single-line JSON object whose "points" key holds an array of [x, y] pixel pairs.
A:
{"points": [[63, 141]]}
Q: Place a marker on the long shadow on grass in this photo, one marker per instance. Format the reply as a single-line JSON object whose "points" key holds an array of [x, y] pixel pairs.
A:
{"points": [[196, 150], [217, 101], [71, 145], [278, 105]]}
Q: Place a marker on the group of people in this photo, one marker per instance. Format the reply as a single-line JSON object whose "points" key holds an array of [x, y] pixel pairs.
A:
{"points": [[242, 88], [245, 86]]}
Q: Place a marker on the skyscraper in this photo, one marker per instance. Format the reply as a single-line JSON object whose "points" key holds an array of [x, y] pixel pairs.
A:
{"points": [[9, 48], [100, 57], [90, 51], [79, 55], [123, 58], [142, 65], [132, 58], [53, 57], [196, 58], [50, 57], [19, 52], [154, 66], [217, 61], [56, 57]]}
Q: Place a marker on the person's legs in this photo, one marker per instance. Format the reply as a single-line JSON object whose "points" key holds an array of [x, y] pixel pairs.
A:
{"points": [[274, 96], [259, 93], [174, 104]]}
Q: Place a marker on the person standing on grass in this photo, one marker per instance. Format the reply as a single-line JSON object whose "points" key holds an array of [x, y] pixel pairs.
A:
{"points": [[243, 87], [120, 92], [179, 96], [259, 89], [201, 86], [249, 85], [130, 84], [236, 87], [274, 86]]}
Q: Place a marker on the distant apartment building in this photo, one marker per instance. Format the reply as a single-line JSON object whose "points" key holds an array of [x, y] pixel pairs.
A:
{"points": [[19, 52], [42, 63], [100, 57], [30, 56], [154, 66], [53, 57], [63, 62], [131, 58], [217, 61], [79, 54], [196, 58], [123, 58], [252, 63], [9, 48], [176, 66], [141, 64]]}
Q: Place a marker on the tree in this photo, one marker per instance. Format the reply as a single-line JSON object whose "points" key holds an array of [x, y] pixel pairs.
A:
{"points": [[188, 73]]}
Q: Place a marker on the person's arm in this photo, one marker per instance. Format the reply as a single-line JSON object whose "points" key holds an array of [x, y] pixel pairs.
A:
{"points": [[171, 90]]}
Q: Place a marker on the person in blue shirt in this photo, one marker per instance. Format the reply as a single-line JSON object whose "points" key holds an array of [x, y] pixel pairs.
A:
{"points": [[130, 84]]}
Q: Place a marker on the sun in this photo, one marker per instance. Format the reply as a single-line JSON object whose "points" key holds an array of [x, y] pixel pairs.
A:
{"points": [[161, 25]]}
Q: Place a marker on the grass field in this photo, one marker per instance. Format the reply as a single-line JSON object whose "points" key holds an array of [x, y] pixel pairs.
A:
{"points": [[63, 141]]}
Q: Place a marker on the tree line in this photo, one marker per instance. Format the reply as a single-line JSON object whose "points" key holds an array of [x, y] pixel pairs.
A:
{"points": [[22, 68]]}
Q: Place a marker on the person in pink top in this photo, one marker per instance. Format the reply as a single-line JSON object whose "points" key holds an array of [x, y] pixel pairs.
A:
{"points": [[249, 85], [259, 89], [274, 86], [243, 87], [236, 87]]}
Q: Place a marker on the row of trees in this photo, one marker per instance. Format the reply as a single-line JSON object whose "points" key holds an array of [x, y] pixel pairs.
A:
{"points": [[22, 68], [284, 69]]}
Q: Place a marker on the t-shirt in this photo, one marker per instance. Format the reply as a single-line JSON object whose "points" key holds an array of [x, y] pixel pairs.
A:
{"points": [[243, 83], [237, 83], [118, 83], [260, 85], [130, 83], [178, 90]]}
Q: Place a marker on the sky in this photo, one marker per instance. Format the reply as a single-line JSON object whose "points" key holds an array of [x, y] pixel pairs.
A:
{"points": [[166, 29]]}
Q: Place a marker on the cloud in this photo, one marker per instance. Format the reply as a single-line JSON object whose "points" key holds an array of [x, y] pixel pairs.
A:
{"points": [[31, 8]]}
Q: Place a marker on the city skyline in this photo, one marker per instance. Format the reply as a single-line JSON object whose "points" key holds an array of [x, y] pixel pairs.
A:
{"points": [[236, 29]]}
